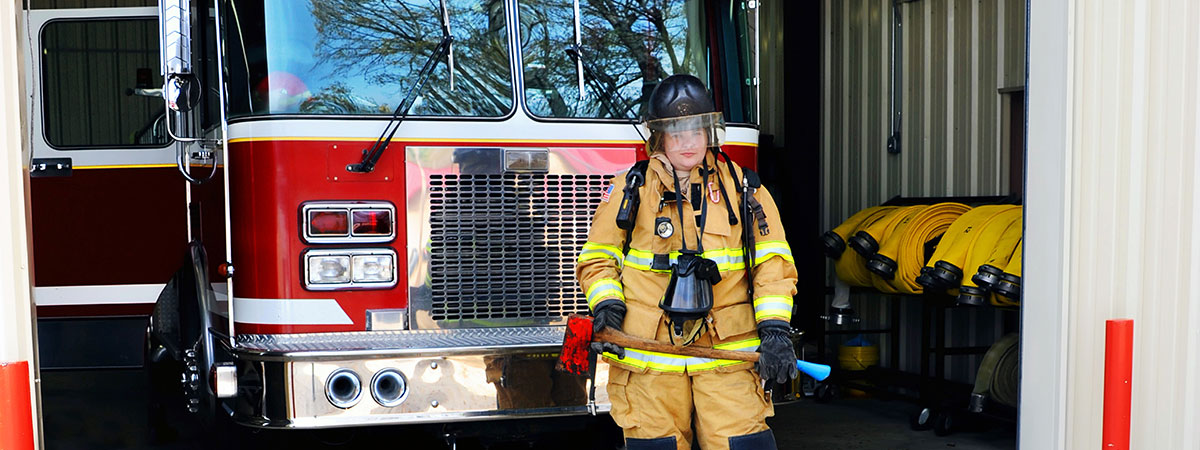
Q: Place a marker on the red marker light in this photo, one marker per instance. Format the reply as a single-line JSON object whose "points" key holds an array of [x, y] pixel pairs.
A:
{"points": [[328, 223], [372, 222]]}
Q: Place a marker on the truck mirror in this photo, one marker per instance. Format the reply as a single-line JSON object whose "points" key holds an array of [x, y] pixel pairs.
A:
{"points": [[182, 91]]}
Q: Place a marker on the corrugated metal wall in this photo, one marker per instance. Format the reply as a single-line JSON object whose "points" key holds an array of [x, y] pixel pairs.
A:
{"points": [[955, 59], [1134, 211]]}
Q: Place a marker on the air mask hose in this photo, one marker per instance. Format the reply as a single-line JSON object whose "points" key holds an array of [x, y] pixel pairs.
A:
{"points": [[835, 240], [981, 250], [990, 272], [866, 240], [898, 263], [944, 270], [1008, 289]]}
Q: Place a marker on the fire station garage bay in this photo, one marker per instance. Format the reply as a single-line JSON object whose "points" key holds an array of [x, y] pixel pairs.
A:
{"points": [[349, 223]]}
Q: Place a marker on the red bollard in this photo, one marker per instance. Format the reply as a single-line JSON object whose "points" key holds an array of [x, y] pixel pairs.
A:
{"points": [[16, 414], [1118, 383]]}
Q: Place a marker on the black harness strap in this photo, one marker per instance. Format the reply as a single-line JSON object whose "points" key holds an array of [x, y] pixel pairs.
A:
{"points": [[630, 200]]}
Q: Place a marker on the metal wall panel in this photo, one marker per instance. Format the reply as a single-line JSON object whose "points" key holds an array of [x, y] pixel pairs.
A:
{"points": [[1134, 208], [954, 58]]}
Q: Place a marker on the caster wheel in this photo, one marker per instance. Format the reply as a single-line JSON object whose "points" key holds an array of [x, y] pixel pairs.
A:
{"points": [[824, 393], [943, 424], [921, 420]]}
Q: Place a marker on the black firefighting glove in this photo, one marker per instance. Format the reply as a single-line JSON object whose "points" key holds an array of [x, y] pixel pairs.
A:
{"points": [[777, 360], [609, 313]]}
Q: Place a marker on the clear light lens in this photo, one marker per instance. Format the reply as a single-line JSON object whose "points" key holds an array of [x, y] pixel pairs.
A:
{"points": [[328, 269], [372, 222], [373, 268]]}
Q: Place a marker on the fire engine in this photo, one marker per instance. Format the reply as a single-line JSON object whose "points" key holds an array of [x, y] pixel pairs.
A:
{"points": [[336, 213]]}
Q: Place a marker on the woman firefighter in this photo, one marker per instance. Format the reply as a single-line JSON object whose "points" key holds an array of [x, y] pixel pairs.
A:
{"points": [[648, 271]]}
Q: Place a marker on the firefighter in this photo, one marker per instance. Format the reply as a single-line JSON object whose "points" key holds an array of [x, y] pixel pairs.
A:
{"points": [[677, 273]]}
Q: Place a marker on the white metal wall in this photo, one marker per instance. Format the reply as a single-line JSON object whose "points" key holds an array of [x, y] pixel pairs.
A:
{"points": [[1133, 109], [17, 327], [956, 56]]}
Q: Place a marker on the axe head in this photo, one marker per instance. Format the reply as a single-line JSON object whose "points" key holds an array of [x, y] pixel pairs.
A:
{"points": [[574, 357]]}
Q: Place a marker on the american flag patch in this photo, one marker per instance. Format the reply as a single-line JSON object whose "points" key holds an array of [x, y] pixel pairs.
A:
{"points": [[607, 193]]}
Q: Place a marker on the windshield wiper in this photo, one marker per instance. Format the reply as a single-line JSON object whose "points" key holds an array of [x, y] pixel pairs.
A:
{"points": [[372, 154]]}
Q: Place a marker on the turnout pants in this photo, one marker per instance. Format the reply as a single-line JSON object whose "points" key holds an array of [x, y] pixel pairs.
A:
{"points": [[658, 411]]}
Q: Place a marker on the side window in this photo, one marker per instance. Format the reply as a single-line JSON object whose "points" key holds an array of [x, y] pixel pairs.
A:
{"points": [[99, 84], [625, 51]]}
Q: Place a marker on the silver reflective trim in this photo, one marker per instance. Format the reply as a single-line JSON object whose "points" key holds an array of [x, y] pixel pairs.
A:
{"points": [[225, 380], [387, 319], [389, 388], [349, 208], [343, 389]]}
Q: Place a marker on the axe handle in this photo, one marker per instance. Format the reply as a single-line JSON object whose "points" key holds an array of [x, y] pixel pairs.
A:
{"points": [[620, 338]]}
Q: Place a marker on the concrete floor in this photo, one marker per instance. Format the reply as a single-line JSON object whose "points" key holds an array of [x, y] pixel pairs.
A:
{"points": [[105, 409]]}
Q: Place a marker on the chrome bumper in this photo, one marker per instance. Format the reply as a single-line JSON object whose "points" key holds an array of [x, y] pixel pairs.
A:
{"points": [[452, 375]]}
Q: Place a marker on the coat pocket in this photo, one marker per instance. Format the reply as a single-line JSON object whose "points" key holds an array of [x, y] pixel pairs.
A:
{"points": [[733, 321], [642, 321]]}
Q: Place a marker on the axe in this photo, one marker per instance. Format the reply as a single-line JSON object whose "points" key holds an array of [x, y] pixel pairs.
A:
{"points": [[575, 357]]}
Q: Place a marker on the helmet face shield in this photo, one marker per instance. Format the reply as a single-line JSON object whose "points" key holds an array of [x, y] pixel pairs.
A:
{"points": [[706, 129]]}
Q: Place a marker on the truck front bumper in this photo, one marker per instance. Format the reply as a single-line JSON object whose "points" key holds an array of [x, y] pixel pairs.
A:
{"points": [[448, 375]]}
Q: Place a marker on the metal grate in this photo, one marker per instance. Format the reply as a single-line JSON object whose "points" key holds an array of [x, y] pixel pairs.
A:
{"points": [[504, 246], [401, 341]]}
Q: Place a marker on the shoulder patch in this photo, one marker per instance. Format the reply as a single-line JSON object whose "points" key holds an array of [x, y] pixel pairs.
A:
{"points": [[607, 193]]}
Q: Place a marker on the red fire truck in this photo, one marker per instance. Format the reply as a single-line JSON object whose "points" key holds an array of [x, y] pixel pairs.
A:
{"points": [[346, 212]]}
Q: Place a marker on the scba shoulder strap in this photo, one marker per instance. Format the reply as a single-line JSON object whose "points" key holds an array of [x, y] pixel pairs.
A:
{"points": [[631, 199]]}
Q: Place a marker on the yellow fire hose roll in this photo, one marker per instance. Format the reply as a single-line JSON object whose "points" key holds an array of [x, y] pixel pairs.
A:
{"points": [[1009, 286], [890, 232], [998, 378], [835, 239], [851, 267], [899, 262], [866, 241], [944, 271], [981, 249], [990, 271]]}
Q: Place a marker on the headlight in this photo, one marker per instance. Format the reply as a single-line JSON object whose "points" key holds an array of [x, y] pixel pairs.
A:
{"points": [[373, 268], [328, 269], [365, 268]]}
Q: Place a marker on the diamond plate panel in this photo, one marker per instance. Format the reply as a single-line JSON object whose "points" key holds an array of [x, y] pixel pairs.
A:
{"points": [[403, 340]]}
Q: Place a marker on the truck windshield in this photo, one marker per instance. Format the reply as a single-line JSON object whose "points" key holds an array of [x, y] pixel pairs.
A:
{"points": [[627, 47], [360, 57]]}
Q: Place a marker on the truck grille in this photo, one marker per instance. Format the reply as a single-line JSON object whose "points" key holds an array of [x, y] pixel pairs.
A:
{"points": [[504, 246]]}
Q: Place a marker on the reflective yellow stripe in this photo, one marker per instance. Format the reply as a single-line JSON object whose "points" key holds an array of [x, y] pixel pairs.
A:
{"points": [[666, 362], [592, 250], [765, 250], [773, 306], [604, 289], [727, 259]]}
